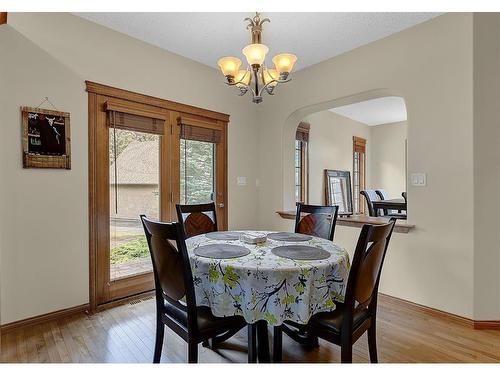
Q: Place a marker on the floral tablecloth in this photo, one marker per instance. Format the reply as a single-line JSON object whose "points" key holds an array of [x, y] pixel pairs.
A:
{"points": [[263, 286]]}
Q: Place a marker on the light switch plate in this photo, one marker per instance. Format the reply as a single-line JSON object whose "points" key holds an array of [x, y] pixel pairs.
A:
{"points": [[418, 179], [241, 180]]}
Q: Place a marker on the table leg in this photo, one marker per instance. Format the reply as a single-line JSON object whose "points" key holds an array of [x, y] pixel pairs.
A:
{"points": [[263, 351]]}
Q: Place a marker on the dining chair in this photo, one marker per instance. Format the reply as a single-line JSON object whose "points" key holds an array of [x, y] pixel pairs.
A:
{"points": [[403, 194], [175, 297], [358, 313], [392, 213], [197, 218], [370, 196], [383, 196], [320, 221]]}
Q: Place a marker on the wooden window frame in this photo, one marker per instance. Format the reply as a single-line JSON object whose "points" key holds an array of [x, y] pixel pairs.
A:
{"points": [[302, 136], [99, 97], [359, 146]]}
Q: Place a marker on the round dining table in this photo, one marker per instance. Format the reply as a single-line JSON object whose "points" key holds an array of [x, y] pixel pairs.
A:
{"points": [[288, 276]]}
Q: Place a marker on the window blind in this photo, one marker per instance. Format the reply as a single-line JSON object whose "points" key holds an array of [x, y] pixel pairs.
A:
{"points": [[302, 133], [359, 144], [129, 121], [190, 131]]}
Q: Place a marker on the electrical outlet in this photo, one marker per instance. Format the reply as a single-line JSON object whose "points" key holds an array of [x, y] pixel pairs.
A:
{"points": [[418, 179]]}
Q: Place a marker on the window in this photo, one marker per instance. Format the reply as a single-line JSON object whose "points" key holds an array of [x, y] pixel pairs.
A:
{"points": [[301, 149], [197, 172], [358, 173]]}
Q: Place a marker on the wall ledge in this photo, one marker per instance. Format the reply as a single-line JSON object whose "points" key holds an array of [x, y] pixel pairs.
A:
{"points": [[358, 221]]}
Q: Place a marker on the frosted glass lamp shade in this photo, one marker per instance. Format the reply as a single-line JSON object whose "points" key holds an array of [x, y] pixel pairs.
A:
{"points": [[269, 75], [284, 63], [255, 53], [244, 76], [229, 66]]}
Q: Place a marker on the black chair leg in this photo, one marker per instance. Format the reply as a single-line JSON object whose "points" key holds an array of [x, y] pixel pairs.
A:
{"points": [[372, 342], [346, 348], [192, 352], [278, 344], [252, 343], [160, 332], [346, 354]]}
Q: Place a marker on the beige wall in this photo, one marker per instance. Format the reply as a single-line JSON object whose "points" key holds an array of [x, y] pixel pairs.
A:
{"points": [[486, 166], [430, 65], [387, 158], [46, 241], [330, 147]]}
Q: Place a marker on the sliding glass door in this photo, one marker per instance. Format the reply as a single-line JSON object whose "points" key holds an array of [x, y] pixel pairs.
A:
{"points": [[144, 160]]}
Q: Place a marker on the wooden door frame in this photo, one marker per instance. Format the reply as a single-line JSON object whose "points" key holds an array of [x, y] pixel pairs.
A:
{"points": [[95, 91]]}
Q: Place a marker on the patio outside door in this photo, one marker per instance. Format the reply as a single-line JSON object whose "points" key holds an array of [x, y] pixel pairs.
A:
{"points": [[144, 160]]}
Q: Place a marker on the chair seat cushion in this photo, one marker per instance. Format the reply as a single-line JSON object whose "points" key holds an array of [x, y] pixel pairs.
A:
{"points": [[206, 320], [333, 320]]}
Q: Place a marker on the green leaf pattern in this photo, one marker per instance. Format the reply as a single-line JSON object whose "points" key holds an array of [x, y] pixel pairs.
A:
{"points": [[262, 286]]}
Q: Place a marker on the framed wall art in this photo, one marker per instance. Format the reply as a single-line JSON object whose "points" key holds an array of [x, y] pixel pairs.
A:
{"points": [[46, 138]]}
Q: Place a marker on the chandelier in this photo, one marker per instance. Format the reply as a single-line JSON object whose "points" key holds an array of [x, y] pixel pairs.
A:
{"points": [[257, 78]]}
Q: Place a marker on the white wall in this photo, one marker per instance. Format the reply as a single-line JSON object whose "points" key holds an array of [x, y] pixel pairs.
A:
{"points": [[387, 158], [330, 147], [45, 247], [430, 66]]}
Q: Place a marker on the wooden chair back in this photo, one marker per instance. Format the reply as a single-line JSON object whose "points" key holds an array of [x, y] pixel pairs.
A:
{"points": [[320, 221], [370, 196], [171, 268], [197, 218], [364, 276]]}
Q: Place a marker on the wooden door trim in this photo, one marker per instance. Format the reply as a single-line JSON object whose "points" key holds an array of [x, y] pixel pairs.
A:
{"points": [[3, 18], [97, 88], [98, 93]]}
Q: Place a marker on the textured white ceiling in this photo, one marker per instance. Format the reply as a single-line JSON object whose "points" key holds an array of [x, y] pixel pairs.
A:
{"points": [[376, 111], [205, 37]]}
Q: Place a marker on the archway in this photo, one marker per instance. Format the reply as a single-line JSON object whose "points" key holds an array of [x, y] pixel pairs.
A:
{"points": [[294, 119]]}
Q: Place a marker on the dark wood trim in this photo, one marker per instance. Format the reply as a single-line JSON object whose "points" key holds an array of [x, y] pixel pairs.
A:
{"points": [[487, 324], [44, 318], [357, 221], [97, 88], [92, 204], [3, 18], [427, 310], [475, 324]]}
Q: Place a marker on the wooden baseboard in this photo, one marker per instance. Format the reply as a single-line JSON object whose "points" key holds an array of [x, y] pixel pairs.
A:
{"points": [[476, 324], [487, 324], [44, 318]]}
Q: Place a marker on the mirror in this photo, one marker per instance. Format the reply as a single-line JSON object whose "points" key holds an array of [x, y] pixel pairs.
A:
{"points": [[338, 190]]}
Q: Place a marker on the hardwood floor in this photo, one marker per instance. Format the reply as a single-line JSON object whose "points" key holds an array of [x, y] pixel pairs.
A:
{"points": [[126, 334]]}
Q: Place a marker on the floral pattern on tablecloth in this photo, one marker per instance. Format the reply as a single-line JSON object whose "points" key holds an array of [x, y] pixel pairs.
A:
{"points": [[263, 286]]}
